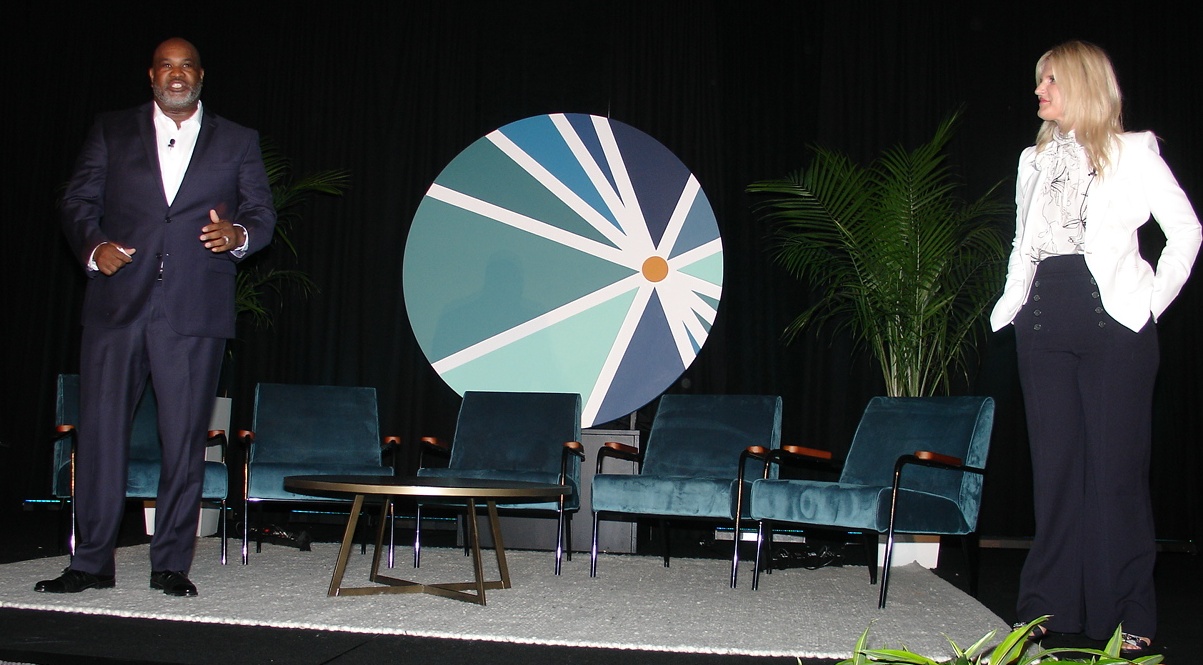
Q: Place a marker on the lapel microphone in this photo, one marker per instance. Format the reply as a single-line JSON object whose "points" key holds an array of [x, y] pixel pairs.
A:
{"points": [[171, 143]]}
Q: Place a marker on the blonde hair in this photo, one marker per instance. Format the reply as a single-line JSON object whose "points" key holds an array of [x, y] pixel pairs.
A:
{"points": [[1093, 102]]}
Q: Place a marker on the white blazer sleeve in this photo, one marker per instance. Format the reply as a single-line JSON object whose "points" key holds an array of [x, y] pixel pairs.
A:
{"points": [[1174, 214]]}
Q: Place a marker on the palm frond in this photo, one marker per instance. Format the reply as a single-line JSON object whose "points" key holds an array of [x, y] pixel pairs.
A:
{"points": [[256, 276], [891, 255]]}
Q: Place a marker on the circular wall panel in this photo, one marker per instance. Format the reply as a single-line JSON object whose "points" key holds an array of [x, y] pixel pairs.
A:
{"points": [[564, 253]]}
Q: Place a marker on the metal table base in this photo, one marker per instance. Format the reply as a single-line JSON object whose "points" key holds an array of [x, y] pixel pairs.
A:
{"points": [[454, 590]]}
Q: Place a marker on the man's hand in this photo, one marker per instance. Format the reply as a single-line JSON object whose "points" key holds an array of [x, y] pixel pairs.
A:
{"points": [[220, 235], [110, 257]]}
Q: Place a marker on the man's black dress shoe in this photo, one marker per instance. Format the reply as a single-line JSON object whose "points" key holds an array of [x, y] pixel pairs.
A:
{"points": [[74, 581], [172, 583]]}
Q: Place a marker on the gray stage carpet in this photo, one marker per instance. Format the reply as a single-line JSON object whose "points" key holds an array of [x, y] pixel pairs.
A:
{"points": [[634, 603]]}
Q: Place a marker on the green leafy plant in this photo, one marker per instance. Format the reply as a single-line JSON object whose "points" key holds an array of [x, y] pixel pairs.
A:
{"points": [[1014, 649], [893, 255], [256, 277]]}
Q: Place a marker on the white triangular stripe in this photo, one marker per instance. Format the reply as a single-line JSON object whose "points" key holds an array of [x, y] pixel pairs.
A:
{"points": [[541, 322], [618, 351], [532, 226]]}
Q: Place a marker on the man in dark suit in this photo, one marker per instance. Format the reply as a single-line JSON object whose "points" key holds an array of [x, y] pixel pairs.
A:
{"points": [[164, 200]]}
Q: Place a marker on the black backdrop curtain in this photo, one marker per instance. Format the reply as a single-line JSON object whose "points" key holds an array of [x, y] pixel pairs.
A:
{"points": [[393, 91]]}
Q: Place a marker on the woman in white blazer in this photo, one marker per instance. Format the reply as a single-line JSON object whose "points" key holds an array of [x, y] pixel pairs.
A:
{"points": [[1084, 305]]}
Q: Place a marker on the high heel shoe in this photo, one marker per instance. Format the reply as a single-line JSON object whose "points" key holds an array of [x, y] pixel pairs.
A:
{"points": [[1135, 646], [1035, 634]]}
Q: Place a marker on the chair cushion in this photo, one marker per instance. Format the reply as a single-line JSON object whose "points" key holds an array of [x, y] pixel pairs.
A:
{"points": [[665, 495], [143, 481], [571, 502], [850, 506]]}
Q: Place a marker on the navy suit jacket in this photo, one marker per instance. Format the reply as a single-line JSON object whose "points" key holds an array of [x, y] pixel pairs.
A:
{"points": [[116, 195]]}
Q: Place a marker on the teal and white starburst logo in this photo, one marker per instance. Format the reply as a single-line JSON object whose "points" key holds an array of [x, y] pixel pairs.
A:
{"points": [[564, 253]]}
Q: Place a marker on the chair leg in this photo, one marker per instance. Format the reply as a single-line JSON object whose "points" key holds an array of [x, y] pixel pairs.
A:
{"points": [[466, 529], [760, 538], [735, 553], [360, 526], [564, 531], [593, 549], [664, 540], [418, 537], [392, 534], [246, 519], [259, 531], [869, 539], [71, 529], [971, 545], [224, 534], [885, 571], [559, 541], [568, 536]]}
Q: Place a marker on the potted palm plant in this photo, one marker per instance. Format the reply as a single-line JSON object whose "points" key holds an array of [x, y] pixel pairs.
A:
{"points": [[893, 255]]}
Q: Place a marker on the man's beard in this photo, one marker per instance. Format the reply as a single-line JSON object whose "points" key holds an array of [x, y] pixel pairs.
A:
{"points": [[173, 102]]}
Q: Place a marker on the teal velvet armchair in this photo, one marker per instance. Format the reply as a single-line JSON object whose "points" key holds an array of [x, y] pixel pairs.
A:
{"points": [[145, 459], [533, 437], [916, 465], [693, 464], [308, 430]]}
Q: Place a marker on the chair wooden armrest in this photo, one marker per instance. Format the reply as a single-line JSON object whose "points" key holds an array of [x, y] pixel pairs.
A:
{"points": [[802, 451], [792, 455], [574, 448], [389, 442], [801, 456], [752, 452], [435, 445], [246, 440], [618, 451], [567, 452], [390, 445], [929, 456], [432, 444], [932, 459], [755, 452]]}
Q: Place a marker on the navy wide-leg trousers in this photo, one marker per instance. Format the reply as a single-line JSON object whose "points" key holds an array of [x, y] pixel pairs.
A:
{"points": [[1088, 387]]}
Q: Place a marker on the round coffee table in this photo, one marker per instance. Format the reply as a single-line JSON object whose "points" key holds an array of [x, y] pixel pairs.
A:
{"points": [[470, 490]]}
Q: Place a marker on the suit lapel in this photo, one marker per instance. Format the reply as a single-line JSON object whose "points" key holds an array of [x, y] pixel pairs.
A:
{"points": [[204, 139], [146, 130]]}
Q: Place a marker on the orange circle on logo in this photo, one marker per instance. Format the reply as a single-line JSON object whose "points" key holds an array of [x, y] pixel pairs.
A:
{"points": [[655, 269]]}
